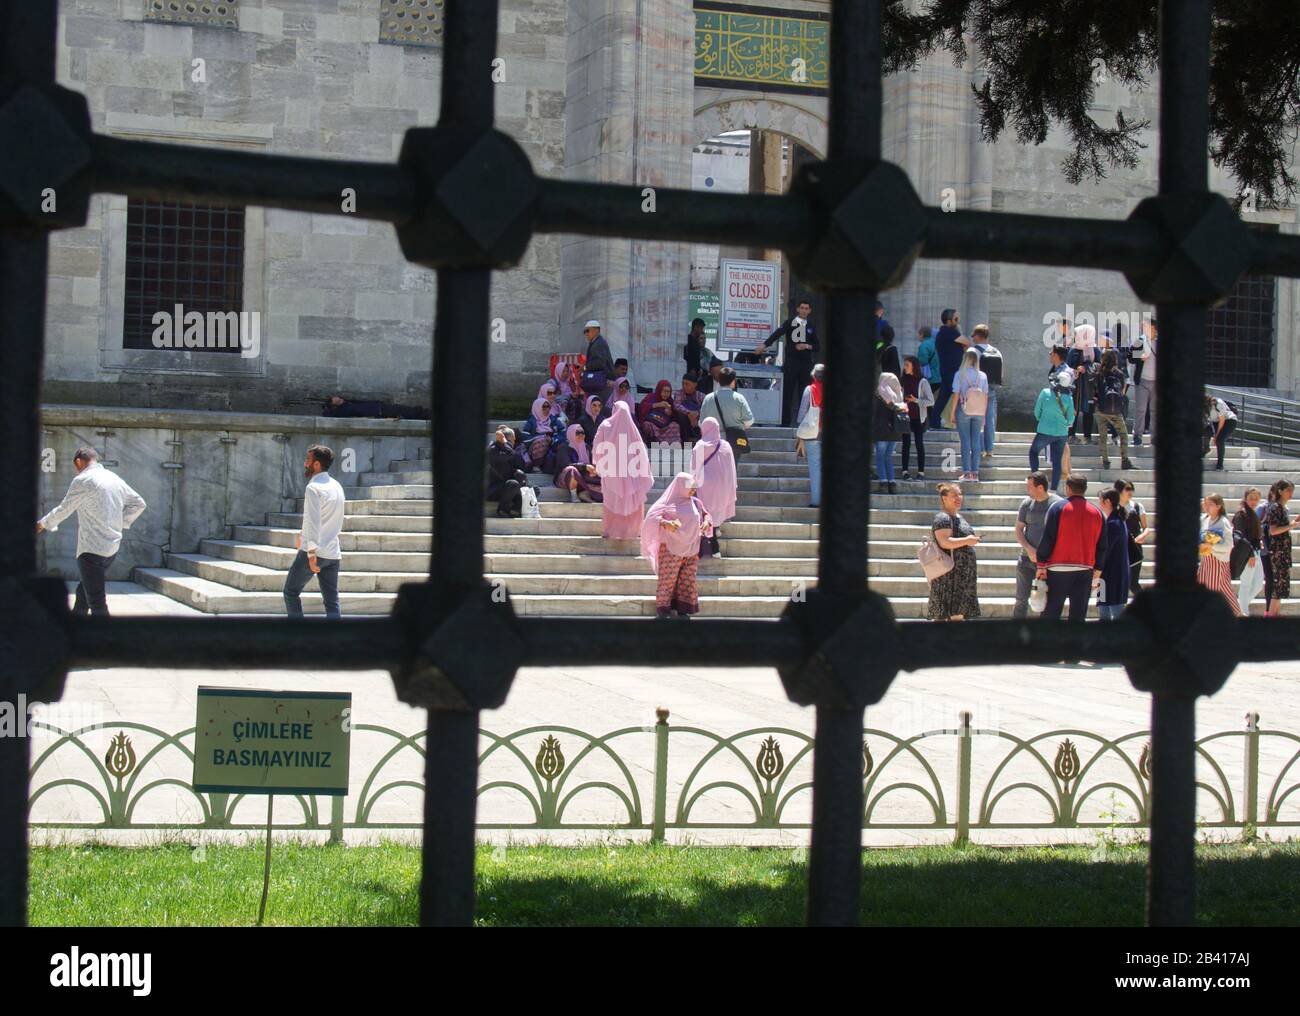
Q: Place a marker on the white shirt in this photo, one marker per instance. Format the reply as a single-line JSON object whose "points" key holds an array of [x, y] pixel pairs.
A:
{"points": [[1148, 356], [1219, 408], [322, 517], [105, 506]]}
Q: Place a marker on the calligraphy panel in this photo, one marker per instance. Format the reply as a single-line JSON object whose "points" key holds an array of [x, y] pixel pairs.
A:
{"points": [[748, 47]]}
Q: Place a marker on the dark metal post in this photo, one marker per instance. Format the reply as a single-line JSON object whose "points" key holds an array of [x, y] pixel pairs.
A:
{"points": [[1184, 144], [460, 362], [835, 860], [27, 38]]}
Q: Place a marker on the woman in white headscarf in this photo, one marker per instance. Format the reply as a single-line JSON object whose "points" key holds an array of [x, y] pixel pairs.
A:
{"points": [[889, 421], [670, 541], [1084, 359]]}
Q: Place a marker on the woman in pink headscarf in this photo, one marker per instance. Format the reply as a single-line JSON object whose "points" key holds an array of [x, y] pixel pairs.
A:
{"points": [[670, 541], [550, 391], [574, 470], [713, 465], [621, 460], [622, 393]]}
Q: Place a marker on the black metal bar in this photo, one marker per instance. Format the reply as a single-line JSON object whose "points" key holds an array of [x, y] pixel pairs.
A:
{"points": [[460, 370], [1184, 139], [184, 173], [27, 40], [835, 858]]}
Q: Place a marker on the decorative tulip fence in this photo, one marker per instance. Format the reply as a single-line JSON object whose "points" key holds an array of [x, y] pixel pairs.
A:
{"points": [[560, 778]]}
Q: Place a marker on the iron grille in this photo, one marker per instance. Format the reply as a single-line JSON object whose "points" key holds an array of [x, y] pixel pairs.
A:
{"points": [[465, 202], [179, 254], [213, 13], [1240, 347]]}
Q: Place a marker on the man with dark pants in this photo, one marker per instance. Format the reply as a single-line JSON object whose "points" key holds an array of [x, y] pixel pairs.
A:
{"points": [[105, 506], [950, 346], [1071, 551], [1030, 521], [799, 336], [318, 543]]}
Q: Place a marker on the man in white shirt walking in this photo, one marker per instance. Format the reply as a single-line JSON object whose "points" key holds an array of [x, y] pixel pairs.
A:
{"points": [[105, 506], [318, 543]]}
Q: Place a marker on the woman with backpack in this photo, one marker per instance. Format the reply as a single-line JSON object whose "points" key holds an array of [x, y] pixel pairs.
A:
{"points": [[1214, 571], [972, 391], [954, 595], [889, 423], [1135, 520], [929, 357], [919, 397], [1111, 381], [1054, 412], [1220, 422]]}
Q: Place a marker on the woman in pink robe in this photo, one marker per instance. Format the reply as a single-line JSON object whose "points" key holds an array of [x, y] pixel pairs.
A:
{"points": [[670, 541], [714, 467], [623, 464]]}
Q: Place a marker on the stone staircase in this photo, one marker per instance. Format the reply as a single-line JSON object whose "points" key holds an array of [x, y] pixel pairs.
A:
{"points": [[561, 566]]}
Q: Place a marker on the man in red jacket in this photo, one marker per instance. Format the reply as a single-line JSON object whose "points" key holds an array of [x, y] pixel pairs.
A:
{"points": [[1071, 552]]}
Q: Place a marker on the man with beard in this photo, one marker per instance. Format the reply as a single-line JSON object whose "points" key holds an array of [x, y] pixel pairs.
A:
{"points": [[318, 543]]}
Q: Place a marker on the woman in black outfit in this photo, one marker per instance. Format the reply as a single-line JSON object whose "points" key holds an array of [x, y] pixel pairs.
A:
{"points": [[504, 477]]}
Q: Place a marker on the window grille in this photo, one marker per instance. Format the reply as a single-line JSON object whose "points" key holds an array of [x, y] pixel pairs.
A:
{"points": [[213, 13], [411, 22], [465, 201], [1241, 343], [178, 254]]}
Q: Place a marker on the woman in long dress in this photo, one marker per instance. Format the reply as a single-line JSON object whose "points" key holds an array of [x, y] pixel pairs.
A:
{"points": [[954, 596], [1278, 525], [574, 470], [621, 459], [670, 540], [713, 464]]}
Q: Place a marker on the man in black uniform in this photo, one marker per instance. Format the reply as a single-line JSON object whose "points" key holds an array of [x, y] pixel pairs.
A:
{"points": [[801, 348]]}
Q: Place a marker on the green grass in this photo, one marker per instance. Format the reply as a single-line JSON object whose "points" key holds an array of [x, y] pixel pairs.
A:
{"points": [[647, 885]]}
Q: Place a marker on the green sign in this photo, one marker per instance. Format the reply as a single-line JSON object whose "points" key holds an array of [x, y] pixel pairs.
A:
{"points": [[272, 742], [748, 47], [705, 305]]}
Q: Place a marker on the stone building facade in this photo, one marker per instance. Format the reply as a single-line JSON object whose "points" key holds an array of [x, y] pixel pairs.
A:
{"points": [[619, 91]]}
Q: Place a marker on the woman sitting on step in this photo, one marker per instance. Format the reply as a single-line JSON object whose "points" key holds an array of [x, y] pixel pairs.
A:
{"points": [[621, 460], [713, 464], [656, 416], [670, 540], [591, 419], [575, 472], [543, 434]]}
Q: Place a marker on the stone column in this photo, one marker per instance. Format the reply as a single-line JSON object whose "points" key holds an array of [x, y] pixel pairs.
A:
{"points": [[629, 121], [766, 169]]}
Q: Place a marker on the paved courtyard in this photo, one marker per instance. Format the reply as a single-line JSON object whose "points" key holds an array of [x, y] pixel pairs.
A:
{"points": [[574, 701]]}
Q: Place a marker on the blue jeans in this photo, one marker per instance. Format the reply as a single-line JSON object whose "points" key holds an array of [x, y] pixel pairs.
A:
{"points": [[968, 432], [299, 575], [813, 449], [885, 461], [1057, 447], [991, 420], [1110, 612]]}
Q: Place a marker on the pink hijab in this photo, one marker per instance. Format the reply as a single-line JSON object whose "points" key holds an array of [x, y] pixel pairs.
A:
{"points": [[620, 457], [628, 400], [713, 465], [550, 391], [677, 504], [541, 417], [579, 447]]}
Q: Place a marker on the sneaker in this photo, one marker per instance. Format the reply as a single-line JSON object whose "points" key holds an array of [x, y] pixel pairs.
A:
{"points": [[573, 497], [906, 475], [893, 487], [986, 456], [919, 476], [1137, 442], [1105, 463], [1127, 464]]}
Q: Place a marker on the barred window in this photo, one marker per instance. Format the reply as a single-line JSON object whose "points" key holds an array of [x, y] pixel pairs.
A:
{"points": [[214, 13], [178, 253], [411, 22], [1240, 334]]}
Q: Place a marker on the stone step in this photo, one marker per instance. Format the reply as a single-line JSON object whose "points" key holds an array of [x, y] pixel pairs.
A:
{"points": [[220, 599]]}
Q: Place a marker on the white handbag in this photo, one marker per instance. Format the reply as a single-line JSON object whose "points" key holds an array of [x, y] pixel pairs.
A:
{"points": [[935, 561], [811, 425]]}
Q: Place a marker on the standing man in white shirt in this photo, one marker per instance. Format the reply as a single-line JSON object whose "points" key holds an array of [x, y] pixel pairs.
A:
{"points": [[105, 506], [1144, 380], [318, 543]]}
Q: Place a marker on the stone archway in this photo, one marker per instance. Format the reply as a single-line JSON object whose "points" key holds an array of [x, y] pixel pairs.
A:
{"points": [[723, 112]]}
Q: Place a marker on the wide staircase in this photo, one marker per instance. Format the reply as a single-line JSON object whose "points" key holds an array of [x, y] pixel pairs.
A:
{"points": [[560, 565]]}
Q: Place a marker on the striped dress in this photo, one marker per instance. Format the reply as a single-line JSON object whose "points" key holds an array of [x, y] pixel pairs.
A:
{"points": [[1215, 571]]}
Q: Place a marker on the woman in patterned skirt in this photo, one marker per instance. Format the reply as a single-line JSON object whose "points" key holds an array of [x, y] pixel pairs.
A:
{"points": [[1278, 525], [1215, 570], [670, 541], [953, 597]]}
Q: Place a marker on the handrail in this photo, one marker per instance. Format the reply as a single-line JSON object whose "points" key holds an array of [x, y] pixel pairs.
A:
{"points": [[1262, 419], [1244, 394]]}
